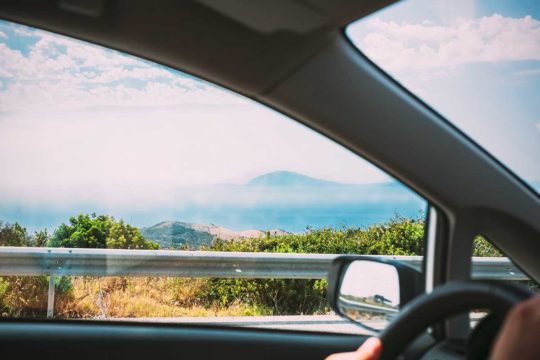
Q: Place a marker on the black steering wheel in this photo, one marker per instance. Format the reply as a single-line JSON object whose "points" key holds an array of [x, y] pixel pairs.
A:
{"points": [[445, 301]]}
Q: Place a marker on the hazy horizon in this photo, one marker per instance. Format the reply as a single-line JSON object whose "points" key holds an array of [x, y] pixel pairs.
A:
{"points": [[291, 207]]}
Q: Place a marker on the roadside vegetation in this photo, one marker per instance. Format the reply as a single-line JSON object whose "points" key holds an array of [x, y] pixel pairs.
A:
{"points": [[90, 297]]}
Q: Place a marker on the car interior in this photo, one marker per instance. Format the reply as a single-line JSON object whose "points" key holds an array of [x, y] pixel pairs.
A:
{"points": [[293, 56]]}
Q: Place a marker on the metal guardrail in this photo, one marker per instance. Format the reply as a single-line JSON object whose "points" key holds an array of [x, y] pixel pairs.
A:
{"points": [[361, 306], [115, 262]]}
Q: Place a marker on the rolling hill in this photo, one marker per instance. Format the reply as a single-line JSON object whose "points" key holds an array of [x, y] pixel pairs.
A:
{"points": [[175, 234]]}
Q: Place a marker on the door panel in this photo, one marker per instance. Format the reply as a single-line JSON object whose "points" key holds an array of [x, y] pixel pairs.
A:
{"points": [[92, 340]]}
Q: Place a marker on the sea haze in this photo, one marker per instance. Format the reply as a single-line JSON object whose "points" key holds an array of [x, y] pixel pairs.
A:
{"points": [[279, 200]]}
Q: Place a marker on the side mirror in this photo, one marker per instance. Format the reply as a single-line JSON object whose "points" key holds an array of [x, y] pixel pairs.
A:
{"points": [[371, 291]]}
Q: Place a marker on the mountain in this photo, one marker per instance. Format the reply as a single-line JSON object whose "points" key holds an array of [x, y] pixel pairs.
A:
{"points": [[174, 234], [276, 200], [288, 178], [228, 234]]}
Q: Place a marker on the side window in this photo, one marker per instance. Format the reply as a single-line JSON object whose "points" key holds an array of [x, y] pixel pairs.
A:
{"points": [[131, 190], [488, 263], [476, 63]]}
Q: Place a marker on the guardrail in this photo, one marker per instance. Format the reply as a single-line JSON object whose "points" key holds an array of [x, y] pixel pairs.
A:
{"points": [[54, 262], [360, 306]]}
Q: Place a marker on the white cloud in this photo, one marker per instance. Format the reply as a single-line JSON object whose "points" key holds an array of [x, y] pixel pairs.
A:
{"points": [[399, 46], [58, 73], [3, 35], [21, 30], [148, 154], [93, 124]]}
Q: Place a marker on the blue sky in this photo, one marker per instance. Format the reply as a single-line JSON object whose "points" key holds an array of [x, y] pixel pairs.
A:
{"points": [[86, 121], [475, 62]]}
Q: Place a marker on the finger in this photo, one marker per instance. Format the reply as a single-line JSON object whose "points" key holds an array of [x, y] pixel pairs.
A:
{"points": [[343, 356], [370, 350]]}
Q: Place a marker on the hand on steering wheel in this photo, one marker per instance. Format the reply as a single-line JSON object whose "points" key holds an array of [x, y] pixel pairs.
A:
{"points": [[370, 350], [516, 340]]}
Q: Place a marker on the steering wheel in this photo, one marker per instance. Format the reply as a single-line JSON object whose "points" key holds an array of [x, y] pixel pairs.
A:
{"points": [[445, 301]]}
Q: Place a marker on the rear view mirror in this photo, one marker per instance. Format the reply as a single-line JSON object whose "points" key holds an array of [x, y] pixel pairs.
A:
{"points": [[371, 291]]}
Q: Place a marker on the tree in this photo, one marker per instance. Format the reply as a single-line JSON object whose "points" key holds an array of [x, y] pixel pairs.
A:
{"points": [[103, 231], [13, 235], [40, 238], [125, 236]]}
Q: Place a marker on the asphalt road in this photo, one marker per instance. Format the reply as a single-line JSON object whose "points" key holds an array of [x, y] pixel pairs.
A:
{"points": [[317, 323]]}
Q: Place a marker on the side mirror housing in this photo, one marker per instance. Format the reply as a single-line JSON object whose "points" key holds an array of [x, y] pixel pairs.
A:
{"points": [[370, 291]]}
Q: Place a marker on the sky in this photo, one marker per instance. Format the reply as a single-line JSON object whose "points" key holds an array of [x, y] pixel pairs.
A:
{"points": [[475, 62], [84, 119], [86, 129]]}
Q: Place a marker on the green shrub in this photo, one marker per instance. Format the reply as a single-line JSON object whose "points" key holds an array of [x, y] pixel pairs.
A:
{"points": [[281, 296], [99, 231], [482, 247], [399, 236], [17, 235], [27, 295]]}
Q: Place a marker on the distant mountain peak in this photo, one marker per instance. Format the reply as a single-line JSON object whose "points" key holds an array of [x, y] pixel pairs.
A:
{"points": [[288, 178], [172, 234]]}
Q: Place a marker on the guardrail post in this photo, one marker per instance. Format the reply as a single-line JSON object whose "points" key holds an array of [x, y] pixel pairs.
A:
{"points": [[50, 299]]}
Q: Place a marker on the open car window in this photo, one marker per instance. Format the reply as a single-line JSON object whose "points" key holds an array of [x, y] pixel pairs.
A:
{"points": [[477, 62], [133, 191]]}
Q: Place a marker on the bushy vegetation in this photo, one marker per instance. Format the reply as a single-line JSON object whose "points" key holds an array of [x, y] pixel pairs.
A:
{"points": [[399, 236], [103, 231], [482, 247], [17, 235], [27, 295], [139, 297]]}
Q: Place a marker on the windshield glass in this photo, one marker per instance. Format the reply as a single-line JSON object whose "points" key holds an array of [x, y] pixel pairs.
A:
{"points": [[476, 62]]}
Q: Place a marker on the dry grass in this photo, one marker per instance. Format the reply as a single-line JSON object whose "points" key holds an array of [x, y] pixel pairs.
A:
{"points": [[114, 297]]}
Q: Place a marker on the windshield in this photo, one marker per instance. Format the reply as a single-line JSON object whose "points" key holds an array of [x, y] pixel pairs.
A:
{"points": [[476, 62]]}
